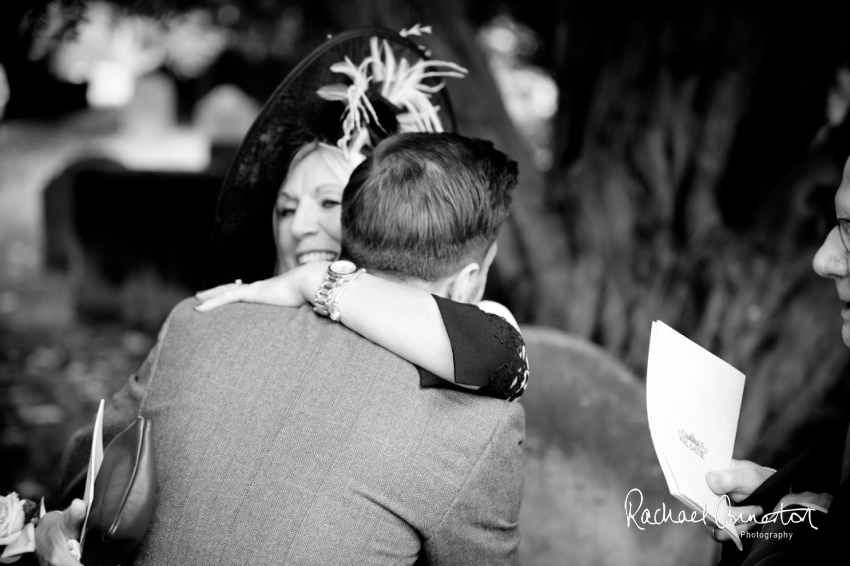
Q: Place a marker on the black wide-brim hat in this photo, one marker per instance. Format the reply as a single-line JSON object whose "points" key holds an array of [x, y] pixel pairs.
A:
{"points": [[243, 245]]}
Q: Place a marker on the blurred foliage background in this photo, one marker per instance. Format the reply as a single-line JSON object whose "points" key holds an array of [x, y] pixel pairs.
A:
{"points": [[678, 162]]}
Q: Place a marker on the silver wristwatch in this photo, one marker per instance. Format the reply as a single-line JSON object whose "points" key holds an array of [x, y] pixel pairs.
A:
{"points": [[338, 273]]}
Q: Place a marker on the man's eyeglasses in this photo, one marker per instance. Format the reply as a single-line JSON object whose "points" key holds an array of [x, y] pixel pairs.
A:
{"points": [[844, 231]]}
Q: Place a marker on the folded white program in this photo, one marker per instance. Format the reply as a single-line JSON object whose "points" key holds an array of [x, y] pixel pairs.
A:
{"points": [[693, 400], [95, 459]]}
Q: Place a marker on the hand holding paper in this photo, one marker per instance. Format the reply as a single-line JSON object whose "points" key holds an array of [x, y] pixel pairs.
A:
{"points": [[55, 530], [693, 401], [54, 539]]}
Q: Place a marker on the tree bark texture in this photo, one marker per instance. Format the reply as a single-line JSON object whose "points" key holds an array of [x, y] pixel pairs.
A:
{"points": [[685, 179]]}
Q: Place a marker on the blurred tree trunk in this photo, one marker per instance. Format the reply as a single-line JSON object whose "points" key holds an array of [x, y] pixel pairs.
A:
{"points": [[683, 177]]}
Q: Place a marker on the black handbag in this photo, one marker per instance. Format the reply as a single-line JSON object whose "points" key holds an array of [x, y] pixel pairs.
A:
{"points": [[122, 504]]}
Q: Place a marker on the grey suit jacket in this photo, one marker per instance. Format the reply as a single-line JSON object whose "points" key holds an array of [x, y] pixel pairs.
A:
{"points": [[284, 438]]}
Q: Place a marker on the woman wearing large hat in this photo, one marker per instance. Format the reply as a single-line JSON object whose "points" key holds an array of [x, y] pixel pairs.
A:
{"points": [[356, 89], [283, 191]]}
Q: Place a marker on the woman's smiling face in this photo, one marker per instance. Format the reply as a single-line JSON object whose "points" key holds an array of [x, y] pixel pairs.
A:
{"points": [[307, 211]]}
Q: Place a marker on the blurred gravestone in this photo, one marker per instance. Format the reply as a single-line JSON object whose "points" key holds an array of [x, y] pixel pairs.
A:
{"points": [[135, 242], [57, 205], [143, 238], [150, 138], [153, 107], [587, 445], [224, 115]]}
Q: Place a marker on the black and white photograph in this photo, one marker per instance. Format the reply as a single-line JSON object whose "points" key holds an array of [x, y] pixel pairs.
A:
{"points": [[449, 282]]}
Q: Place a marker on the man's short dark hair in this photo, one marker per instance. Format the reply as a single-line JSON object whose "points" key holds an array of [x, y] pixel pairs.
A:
{"points": [[424, 204]]}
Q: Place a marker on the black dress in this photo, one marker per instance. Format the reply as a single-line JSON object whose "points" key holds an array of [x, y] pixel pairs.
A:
{"points": [[488, 352]]}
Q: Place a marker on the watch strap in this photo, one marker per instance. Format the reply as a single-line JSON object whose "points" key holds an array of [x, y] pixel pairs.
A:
{"points": [[331, 282], [333, 309], [323, 294]]}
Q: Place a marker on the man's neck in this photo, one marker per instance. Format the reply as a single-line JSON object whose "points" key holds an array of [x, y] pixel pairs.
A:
{"points": [[434, 287]]}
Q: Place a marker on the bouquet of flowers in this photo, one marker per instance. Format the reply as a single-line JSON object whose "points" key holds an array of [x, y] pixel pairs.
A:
{"points": [[18, 518]]}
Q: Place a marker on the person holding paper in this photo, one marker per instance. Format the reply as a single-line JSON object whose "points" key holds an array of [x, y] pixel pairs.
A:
{"points": [[817, 482]]}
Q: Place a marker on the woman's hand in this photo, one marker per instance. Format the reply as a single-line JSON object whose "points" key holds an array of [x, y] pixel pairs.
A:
{"points": [[292, 289], [53, 532]]}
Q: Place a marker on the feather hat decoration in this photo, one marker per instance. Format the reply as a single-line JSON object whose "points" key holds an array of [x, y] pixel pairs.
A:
{"points": [[396, 82], [352, 91]]}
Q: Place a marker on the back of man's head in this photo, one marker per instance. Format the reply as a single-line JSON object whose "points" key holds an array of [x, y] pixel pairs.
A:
{"points": [[424, 205]]}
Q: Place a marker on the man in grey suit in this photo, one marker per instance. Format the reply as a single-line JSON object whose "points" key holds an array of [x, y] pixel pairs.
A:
{"points": [[283, 437]]}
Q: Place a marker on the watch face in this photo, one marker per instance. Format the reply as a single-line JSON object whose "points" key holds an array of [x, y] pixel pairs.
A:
{"points": [[343, 267]]}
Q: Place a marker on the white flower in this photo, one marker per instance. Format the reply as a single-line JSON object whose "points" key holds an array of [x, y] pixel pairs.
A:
{"points": [[22, 544], [11, 518], [17, 537]]}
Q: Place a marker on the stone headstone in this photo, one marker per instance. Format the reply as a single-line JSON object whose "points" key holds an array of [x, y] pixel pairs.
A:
{"points": [[225, 114], [153, 108], [134, 242], [587, 446]]}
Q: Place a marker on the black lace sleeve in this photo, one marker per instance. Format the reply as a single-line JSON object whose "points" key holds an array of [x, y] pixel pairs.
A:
{"points": [[488, 351]]}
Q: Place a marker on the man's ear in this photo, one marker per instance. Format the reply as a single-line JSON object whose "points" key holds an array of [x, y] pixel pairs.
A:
{"points": [[463, 285], [467, 285]]}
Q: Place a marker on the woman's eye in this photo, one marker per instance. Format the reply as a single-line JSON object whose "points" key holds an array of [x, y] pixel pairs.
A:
{"points": [[284, 212], [329, 203]]}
